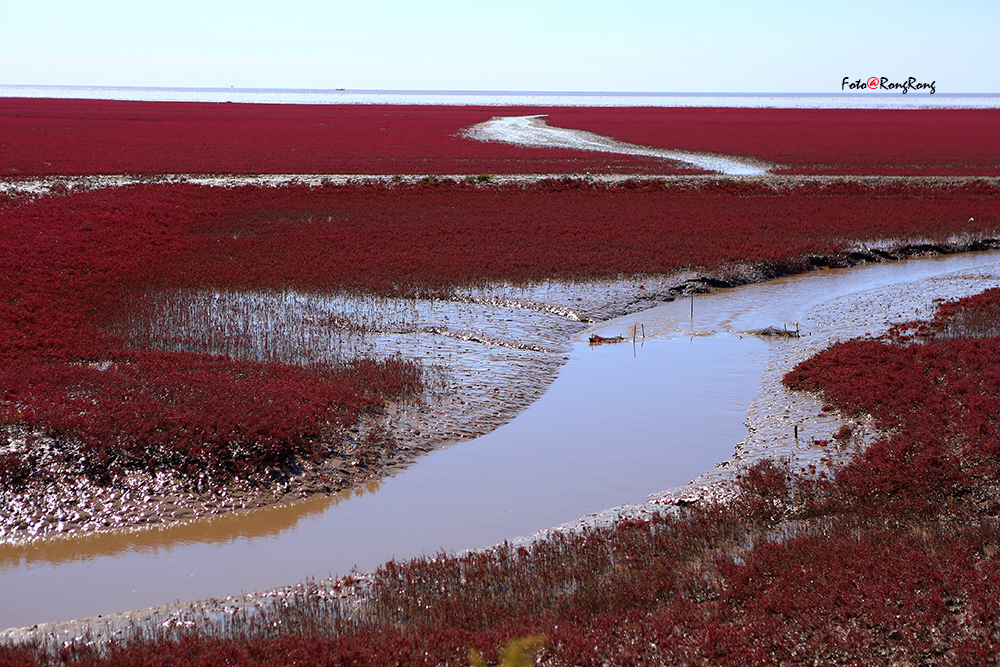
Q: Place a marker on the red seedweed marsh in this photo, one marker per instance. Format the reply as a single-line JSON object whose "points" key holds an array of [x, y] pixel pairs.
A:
{"points": [[813, 141], [44, 137], [849, 567], [73, 262], [888, 560]]}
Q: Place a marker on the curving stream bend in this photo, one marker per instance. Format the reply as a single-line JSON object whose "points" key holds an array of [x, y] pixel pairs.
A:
{"points": [[621, 422]]}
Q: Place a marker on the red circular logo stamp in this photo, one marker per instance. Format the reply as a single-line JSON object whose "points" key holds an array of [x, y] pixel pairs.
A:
{"points": [[873, 83]]}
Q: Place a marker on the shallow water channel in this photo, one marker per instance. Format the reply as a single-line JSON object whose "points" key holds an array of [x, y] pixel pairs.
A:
{"points": [[620, 422]]}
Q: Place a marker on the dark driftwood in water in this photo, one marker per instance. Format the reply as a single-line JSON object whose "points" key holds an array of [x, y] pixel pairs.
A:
{"points": [[775, 331], [601, 340]]}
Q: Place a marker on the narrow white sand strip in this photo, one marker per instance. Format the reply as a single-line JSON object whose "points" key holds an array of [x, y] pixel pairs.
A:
{"points": [[534, 131]]}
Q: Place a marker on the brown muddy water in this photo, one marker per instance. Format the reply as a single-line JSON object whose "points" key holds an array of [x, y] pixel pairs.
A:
{"points": [[620, 422]]}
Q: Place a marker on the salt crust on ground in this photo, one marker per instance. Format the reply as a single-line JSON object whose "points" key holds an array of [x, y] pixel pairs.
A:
{"points": [[534, 131]]}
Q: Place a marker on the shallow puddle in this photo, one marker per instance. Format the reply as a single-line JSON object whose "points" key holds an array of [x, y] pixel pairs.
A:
{"points": [[621, 421]]}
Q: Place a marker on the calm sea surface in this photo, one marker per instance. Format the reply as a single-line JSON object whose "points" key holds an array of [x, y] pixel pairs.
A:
{"points": [[859, 100]]}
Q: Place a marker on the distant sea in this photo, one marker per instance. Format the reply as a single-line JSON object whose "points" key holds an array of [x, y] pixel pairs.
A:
{"points": [[856, 100]]}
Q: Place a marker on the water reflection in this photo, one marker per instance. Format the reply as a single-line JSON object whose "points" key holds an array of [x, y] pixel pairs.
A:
{"points": [[611, 429], [248, 525]]}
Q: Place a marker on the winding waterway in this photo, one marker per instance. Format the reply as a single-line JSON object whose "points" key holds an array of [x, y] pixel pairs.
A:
{"points": [[620, 422]]}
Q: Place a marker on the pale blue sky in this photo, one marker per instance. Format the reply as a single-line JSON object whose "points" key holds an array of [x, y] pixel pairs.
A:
{"points": [[642, 46]]}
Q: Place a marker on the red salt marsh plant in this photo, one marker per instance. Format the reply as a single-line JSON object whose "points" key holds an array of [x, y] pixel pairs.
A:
{"points": [[72, 263], [408, 239], [812, 141], [939, 397], [66, 370], [74, 137], [196, 414], [829, 574]]}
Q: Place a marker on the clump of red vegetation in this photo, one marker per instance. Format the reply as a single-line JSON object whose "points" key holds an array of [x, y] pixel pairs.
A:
{"points": [[892, 559], [975, 317], [939, 396], [72, 137], [69, 265]]}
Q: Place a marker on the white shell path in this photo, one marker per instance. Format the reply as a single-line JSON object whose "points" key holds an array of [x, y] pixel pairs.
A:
{"points": [[534, 131]]}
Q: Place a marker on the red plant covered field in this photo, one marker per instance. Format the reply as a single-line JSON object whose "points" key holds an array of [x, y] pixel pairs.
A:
{"points": [[813, 141], [895, 560], [72, 137], [70, 262], [67, 268], [891, 560], [940, 398], [397, 240]]}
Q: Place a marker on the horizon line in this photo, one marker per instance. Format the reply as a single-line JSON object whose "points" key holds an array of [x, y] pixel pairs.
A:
{"points": [[415, 91]]}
